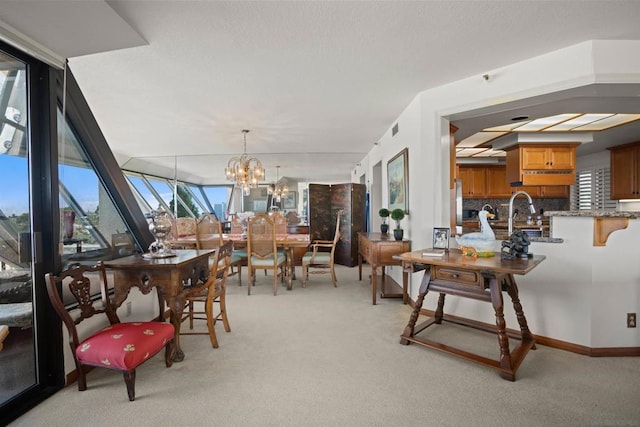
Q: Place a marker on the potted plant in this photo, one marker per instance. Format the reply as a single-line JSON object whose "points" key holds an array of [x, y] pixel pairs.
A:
{"points": [[397, 215], [384, 214]]}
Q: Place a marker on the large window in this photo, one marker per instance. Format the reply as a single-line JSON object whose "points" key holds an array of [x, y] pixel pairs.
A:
{"points": [[193, 200]]}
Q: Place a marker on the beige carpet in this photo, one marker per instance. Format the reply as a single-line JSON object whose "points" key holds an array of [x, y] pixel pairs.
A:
{"points": [[324, 356]]}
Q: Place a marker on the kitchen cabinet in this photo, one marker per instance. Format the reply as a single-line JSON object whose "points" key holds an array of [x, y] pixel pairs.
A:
{"points": [[541, 164], [625, 171], [490, 182], [497, 185], [474, 183], [548, 158], [545, 191]]}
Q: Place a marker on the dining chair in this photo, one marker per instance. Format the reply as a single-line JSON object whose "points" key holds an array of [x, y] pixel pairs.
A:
{"points": [[322, 256], [121, 346], [239, 256], [263, 253], [208, 232], [280, 222], [212, 291], [184, 227]]}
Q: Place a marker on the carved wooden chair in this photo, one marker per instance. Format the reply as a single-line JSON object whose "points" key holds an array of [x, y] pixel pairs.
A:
{"points": [[209, 232], [322, 256], [263, 253], [213, 291], [119, 346], [184, 227]]}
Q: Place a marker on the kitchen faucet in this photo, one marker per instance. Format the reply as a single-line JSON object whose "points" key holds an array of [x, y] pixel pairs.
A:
{"points": [[531, 208]]}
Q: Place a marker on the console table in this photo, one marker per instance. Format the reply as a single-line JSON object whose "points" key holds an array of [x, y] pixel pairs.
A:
{"points": [[170, 276], [482, 279], [379, 249]]}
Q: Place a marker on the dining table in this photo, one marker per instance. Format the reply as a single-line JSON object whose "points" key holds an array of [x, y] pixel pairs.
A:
{"points": [[171, 276], [288, 242]]}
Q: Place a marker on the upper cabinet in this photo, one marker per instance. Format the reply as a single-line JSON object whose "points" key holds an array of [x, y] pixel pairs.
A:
{"points": [[473, 182], [537, 164], [625, 171], [490, 182]]}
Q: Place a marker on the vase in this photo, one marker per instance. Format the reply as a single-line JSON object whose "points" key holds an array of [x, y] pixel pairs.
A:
{"points": [[384, 228], [69, 218], [398, 233]]}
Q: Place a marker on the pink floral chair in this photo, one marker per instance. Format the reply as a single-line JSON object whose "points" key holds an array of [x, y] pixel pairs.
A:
{"points": [[119, 346]]}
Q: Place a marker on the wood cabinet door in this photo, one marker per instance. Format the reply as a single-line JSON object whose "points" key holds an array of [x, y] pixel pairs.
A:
{"points": [[534, 158], [624, 173], [555, 191], [497, 185], [473, 182], [533, 191], [561, 158]]}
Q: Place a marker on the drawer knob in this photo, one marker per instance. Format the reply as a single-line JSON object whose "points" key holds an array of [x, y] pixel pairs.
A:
{"points": [[454, 275]]}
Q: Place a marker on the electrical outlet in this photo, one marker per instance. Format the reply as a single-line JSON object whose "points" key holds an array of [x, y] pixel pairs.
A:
{"points": [[128, 313], [631, 320]]}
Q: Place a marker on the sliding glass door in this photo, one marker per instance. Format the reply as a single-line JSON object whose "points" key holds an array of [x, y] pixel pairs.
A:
{"points": [[17, 351]]}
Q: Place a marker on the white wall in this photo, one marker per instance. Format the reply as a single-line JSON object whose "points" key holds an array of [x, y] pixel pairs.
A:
{"points": [[424, 129]]}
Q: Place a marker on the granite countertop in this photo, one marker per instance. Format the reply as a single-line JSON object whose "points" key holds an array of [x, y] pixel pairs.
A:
{"points": [[595, 214]]}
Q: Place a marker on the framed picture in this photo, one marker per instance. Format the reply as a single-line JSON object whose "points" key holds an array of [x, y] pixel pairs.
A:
{"points": [[440, 238], [289, 201], [398, 179]]}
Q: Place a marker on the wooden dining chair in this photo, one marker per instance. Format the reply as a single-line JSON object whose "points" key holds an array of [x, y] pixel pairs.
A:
{"points": [[322, 256], [239, 256], [209, 232], [263, 253], [212, 291], [119, 346], [280, 222]]}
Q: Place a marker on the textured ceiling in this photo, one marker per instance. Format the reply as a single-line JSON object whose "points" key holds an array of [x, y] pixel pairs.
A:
{"points": [[317, 83]]}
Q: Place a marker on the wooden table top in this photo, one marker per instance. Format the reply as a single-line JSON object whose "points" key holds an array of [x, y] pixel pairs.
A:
{"points": [[137, 260], [454, 258]]}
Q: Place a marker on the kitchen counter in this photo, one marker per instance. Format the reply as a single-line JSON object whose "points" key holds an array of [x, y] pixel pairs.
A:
{"points": [[595, 214]]}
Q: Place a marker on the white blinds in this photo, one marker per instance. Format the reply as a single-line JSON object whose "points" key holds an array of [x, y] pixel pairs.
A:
{"points": [[592, 190]]}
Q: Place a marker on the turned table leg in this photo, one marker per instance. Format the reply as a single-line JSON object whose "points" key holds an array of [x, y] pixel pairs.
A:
{"points": [[503, 340]]}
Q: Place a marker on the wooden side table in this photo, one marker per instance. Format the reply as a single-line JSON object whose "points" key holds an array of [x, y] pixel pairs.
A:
{"points": [[482, 279], [378, 250]]}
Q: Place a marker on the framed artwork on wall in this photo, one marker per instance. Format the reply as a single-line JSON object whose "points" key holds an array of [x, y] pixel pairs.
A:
{"points": [[289, 201], [441, 238], [398, 181]]}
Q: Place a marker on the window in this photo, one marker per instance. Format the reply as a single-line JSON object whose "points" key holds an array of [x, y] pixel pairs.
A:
{"points": [[592, 190]]}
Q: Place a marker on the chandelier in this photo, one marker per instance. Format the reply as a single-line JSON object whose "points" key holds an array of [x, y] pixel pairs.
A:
{"points": [[244, 171], [279, 189]]}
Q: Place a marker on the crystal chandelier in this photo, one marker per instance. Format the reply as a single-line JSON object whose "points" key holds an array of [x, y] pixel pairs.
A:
{"points": [[244, 171], [279, 189]]}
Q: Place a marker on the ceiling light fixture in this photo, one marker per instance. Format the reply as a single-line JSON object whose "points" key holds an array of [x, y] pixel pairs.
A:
{"points": [[244, 171], [278, 189]]}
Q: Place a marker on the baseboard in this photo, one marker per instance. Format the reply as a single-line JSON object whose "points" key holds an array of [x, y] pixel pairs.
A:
{"points": [[546, 341]]}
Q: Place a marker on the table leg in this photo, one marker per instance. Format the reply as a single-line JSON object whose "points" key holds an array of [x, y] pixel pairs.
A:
{"points": [[176, 305], [424, 288], [498, 305], [512, 290], [290, 268], [374, 283], [440, 309], [405, 285]]}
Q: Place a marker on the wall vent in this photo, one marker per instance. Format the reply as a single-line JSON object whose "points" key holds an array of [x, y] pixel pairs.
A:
{"points": [[394, 130]]}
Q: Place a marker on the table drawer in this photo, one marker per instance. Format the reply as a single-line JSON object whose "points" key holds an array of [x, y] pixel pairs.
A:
{"points": [[465, 277], [386, 252]]}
